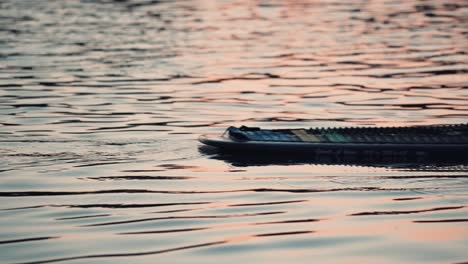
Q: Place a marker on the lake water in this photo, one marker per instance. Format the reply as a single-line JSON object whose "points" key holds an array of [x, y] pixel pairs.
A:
{"points": [[102, 102]]}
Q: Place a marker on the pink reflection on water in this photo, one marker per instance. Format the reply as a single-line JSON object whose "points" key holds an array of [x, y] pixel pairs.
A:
{"points": [[432, 232], [398, 229]]}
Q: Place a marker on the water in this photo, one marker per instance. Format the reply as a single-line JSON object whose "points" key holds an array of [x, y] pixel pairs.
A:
{"points": [[102, 103]]}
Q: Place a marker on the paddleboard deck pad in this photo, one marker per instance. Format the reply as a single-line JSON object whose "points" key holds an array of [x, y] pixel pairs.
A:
{"points": [[441, 139]]}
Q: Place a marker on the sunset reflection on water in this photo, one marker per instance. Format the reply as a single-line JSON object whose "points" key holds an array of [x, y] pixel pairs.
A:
{"points": [[102, 102]]}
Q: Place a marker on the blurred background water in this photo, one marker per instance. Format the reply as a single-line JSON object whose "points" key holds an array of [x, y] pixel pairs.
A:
{"points": [[101, 104]]}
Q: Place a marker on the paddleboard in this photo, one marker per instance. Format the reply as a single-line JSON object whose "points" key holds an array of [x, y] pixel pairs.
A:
{"points": [[441, 139]]}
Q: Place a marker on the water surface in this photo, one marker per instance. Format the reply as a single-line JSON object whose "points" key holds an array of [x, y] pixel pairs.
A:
{"points": [[101, 104]]}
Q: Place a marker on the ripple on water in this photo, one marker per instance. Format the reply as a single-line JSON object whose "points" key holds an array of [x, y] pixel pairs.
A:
{"points": [[101, 103]]}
